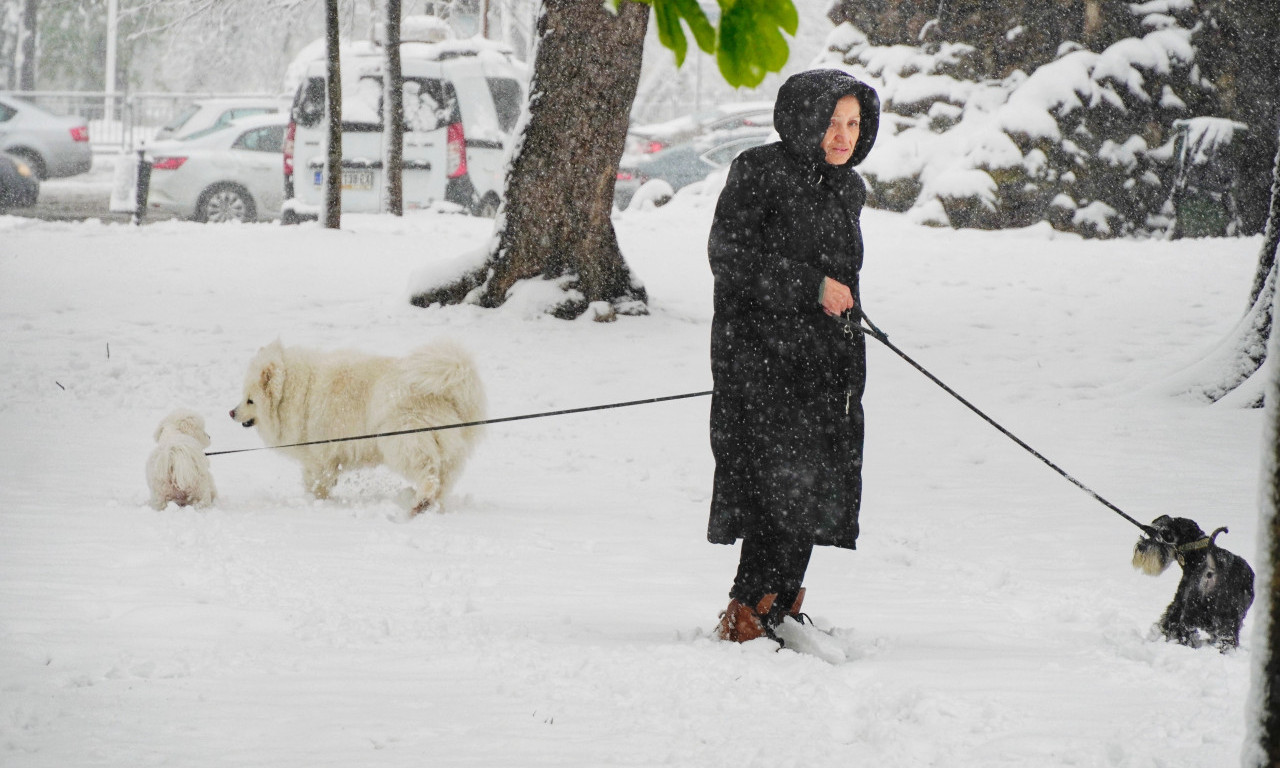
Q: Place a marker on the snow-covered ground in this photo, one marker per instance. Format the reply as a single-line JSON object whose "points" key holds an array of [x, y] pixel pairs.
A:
{"points": [[558, 612]]}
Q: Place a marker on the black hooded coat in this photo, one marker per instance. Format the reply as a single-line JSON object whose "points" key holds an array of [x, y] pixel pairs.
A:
{"points": [[786, 416]]}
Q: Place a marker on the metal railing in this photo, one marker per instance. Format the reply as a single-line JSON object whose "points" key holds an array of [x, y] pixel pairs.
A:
{"points": [[119, 122]]}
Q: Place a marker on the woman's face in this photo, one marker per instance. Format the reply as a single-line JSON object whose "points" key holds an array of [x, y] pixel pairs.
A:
{"points": [[842, 133]]}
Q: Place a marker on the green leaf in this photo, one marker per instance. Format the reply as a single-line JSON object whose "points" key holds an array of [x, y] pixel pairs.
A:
{"points": [[703, 33], [751, 43], [667, 17]]}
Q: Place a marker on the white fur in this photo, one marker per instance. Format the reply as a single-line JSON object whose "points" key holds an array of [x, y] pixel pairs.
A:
{"points": [[177, 469], [296, 395], [1150, 560]]}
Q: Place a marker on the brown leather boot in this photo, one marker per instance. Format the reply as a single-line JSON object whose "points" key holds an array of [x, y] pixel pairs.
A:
{"points": [[738, 623]]}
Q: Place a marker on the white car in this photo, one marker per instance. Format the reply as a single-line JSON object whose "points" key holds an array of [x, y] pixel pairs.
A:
{"points": [[228, 173], [53, 146], [204, 114]]}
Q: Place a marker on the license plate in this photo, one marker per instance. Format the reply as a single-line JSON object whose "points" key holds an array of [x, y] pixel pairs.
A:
{"points": [[359, 180]]}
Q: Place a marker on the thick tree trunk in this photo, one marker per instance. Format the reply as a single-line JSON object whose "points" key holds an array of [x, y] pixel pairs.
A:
{"points": [[1271, 234], [333, 165], [393, 115], [1255, 329], [556, 221], [1262, 745], [27, 47]]}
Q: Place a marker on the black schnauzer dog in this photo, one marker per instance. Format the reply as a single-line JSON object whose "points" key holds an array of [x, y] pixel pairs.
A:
{"points": [[1216, 589]]}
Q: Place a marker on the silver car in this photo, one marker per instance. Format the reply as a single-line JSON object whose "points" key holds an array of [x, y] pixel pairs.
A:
{"points": [[228, 173], [52, 145], [683, 164], [203, 114]]}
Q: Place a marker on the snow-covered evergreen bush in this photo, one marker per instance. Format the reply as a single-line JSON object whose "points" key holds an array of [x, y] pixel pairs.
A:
{"points": [[1087, 140]]}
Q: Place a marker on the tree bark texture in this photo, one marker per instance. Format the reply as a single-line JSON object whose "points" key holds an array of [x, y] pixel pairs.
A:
{"points": [[333, 165], [1262, 747], [393, 115], [1271, 234], [559, 191], [27, 73]]}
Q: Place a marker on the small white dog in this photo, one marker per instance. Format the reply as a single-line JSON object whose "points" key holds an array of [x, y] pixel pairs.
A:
{"points": [[177, 469], [295, 395]]}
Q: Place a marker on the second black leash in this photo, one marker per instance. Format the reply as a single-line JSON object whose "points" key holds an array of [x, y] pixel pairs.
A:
{"points": [[870, 329]]}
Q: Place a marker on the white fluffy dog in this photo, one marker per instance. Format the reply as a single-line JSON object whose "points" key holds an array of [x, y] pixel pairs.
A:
{"points": [[178, 470], [294, 395]]}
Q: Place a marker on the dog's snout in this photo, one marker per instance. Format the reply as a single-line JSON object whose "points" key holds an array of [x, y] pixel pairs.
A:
{"points": [[243, 423]]}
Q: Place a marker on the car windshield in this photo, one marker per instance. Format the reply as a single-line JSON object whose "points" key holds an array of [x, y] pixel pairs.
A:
{"points": [[206, 132], [181, 119], [239, 112]]}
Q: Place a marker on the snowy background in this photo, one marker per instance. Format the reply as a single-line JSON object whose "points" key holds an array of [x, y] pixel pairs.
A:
{"points": [[559, 611]]}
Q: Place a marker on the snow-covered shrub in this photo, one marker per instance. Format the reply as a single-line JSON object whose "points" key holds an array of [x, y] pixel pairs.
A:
{"points": [[1084, 140]]}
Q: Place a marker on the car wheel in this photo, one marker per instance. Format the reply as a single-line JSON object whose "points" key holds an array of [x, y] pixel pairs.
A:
{"points": [[225, 202], [487, 207], [33, 161]]}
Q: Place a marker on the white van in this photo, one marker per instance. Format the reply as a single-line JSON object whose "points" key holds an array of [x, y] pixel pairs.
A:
{"points": [[462, 103]]}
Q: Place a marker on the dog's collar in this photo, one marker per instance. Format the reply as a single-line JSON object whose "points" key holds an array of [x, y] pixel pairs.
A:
{"points": [[1181, 550], [1197, 544]]}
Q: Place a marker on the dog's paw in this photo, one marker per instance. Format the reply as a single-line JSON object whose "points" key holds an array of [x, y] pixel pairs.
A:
{"points": [[426, 505], [414, 504]]}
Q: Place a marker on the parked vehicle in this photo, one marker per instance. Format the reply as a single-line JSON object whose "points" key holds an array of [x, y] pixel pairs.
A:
{"points": [[203, 114], [462, 102], [224, 173], [52, 146], [19, 187], [683, 164], [655, 137]]}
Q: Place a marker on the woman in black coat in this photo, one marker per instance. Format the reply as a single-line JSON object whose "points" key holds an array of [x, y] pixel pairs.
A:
{"points": [[786, 416]]}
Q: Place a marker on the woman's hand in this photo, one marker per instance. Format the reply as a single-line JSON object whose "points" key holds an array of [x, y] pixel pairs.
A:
{"points": [[836, 298]]}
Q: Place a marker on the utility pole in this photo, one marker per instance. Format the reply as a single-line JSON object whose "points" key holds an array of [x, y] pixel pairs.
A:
{"points": [[113, 19]]}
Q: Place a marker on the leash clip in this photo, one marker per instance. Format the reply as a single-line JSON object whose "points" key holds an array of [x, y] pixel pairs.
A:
{"points": [[852, 330]]}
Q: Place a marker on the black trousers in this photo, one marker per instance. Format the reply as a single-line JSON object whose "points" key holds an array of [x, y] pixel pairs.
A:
{"points": [[772, 561]]}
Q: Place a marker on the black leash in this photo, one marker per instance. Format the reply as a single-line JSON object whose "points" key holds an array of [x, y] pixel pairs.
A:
{"points": [[543, 415], [871, 330], [850, 330]]}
